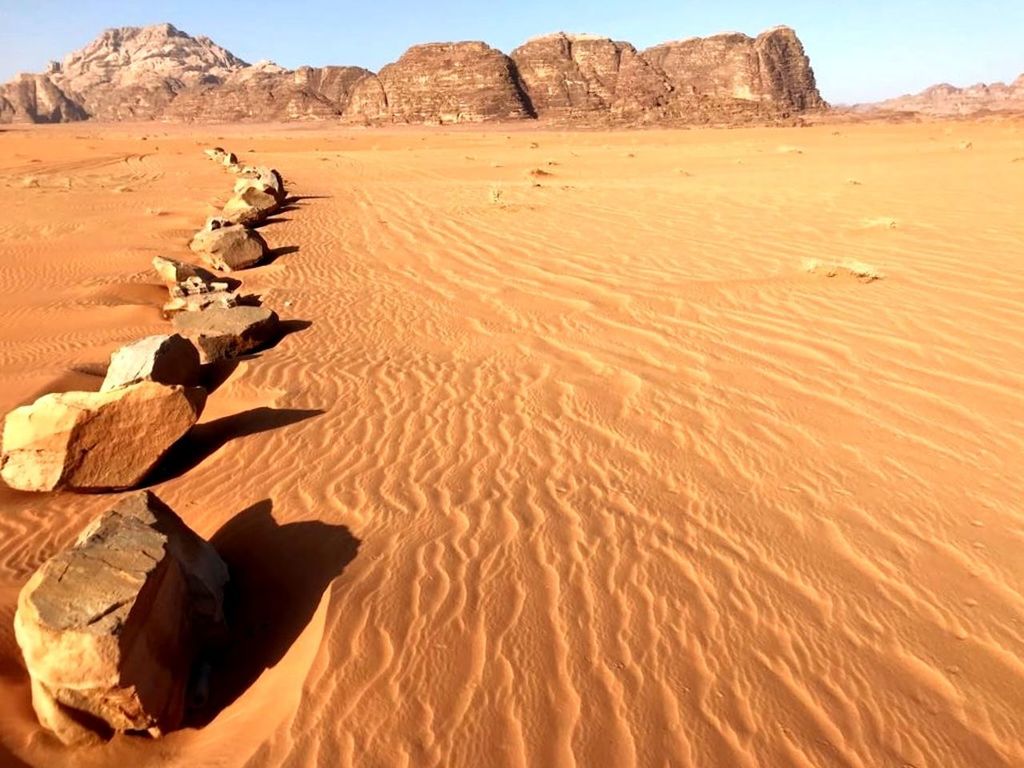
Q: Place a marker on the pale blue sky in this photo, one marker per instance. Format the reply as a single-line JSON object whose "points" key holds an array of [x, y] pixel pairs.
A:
{"points": [[860, 50]]}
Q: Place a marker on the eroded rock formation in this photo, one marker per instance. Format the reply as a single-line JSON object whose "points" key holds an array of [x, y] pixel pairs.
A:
{"points": [[161, 73]]}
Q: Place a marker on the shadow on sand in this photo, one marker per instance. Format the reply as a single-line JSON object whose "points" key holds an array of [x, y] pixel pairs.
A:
{"points": [[279, 574], [205, 439]]}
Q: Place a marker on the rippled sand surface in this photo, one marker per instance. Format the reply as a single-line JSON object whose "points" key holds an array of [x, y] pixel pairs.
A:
{"points": [[584, 449]]}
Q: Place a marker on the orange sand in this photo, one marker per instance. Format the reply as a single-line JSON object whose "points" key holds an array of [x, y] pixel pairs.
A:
{"points": [[588, 473]]}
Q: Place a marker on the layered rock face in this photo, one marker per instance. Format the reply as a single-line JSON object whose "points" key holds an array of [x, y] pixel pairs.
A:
{"points": [[36, 99], [582, 75], [110, 628], [945, 100], [268, 92], [771, 69], [161, 73], [453, 83]]}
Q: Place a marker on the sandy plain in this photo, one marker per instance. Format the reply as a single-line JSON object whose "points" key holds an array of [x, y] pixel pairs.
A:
{"points": [[567, 460]]}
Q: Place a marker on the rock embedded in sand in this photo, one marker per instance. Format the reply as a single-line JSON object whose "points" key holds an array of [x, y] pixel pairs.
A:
{"points": [[166, 359], [224, 333], [229, 158], [173, 272], [96, 441], [269, 178], [249, 207], [231, 247], [111, 628]]}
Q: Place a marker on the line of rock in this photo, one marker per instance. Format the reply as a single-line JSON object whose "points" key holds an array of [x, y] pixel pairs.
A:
{"points": [[114, 628]]}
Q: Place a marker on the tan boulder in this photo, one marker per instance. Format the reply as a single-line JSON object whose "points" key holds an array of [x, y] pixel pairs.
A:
{"points": [[225, 333], [250, 206], [264, 178], [167, 359], [227, 247], [111, 628], [229, 159], [172, 271], [93, 441], [215, 153], [200, 302]]}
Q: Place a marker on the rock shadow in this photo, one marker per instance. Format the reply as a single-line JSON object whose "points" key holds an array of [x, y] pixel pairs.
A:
{"points": [[279, 574], [203, 440], [274, 253]]}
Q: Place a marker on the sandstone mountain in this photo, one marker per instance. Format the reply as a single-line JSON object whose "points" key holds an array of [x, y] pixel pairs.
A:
{"points": [[161, 73], [946, 100]]}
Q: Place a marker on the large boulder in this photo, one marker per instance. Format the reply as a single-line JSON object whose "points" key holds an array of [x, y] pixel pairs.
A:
{"points": [[167, 359], [112, 627], [249, 207], [96, 441], [262, 178], [227, 247], [225, 333]]}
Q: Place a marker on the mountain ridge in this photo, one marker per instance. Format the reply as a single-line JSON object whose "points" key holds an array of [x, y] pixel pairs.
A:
{"points": [[159, 72]]}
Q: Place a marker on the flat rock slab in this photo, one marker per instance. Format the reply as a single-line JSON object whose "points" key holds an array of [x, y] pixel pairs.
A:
{"points": [[224, 333], [167, 359], [111, 627], [96, 441]]}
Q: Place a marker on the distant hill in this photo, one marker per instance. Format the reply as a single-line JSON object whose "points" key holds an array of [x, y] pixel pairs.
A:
{"points": [[947, 100]]}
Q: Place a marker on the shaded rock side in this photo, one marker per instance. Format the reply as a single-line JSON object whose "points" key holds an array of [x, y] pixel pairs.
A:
{"points": [[166, 359], [110, 628], [36, 99], [453, 83], [771, 69], [95, 441], [587, 75]]}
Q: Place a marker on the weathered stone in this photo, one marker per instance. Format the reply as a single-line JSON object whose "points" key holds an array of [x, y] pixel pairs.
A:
{"points": [[173, 272], [229, 159], [194, 286], [262, 178], [215, 153], [249, 207], [168, 359], [226, 333], [112, 627], [227, 248], [93, 441], [200, 302]]}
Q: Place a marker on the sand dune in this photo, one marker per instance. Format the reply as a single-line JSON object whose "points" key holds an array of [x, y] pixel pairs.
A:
{"points": [[591, 471]]}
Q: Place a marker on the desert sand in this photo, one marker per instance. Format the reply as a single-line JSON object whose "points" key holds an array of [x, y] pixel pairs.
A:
{"points": [[583, 449]]}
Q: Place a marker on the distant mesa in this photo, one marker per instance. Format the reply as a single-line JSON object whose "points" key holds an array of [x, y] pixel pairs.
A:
{"points": [[945, 100], [162, 73]]}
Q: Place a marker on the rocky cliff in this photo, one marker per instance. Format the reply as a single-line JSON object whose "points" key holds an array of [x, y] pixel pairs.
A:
{"points": [[585, 75], [947, 100], [771, 69], [267, 92], [453, 83], [36, 99], [162, 73]]}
